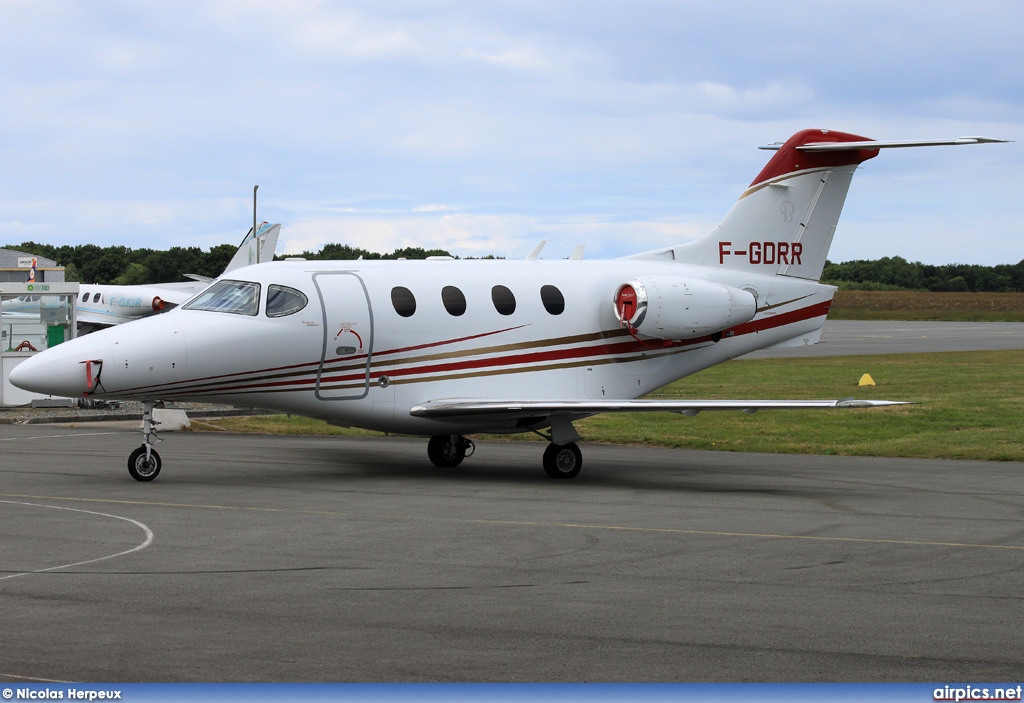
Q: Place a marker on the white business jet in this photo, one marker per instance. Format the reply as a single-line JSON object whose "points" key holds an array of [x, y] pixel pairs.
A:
{"points": [[446, 348], [101, 305]]}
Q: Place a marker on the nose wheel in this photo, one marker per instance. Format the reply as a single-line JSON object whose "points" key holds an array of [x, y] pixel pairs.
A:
{"points": [[144, 463]]}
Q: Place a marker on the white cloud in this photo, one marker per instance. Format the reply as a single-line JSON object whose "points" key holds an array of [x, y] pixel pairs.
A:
{"points": [[716, 97], [511, 236], [515, 122], [521, 58]]}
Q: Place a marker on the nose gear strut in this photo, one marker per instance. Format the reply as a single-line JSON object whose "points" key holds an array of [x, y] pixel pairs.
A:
{"points": [[144, 462]]}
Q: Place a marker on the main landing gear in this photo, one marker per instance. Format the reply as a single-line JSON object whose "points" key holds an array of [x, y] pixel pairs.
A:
{"points": [[563, 460], [448, 450], [144, 462]]}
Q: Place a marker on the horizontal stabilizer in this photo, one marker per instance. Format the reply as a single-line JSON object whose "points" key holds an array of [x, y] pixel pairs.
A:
{"points": [[871, 144], [475, 408]]}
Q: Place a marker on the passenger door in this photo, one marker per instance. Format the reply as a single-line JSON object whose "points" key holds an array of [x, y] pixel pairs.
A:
{"points": [[345, 358]]}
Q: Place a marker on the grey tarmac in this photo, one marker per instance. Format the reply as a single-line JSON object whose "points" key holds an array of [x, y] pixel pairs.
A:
{"points": [[353, 559], [845, 337]]}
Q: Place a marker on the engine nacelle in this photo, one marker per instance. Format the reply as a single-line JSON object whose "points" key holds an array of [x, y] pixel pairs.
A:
{"points": [[668, 307], [136, 301]]}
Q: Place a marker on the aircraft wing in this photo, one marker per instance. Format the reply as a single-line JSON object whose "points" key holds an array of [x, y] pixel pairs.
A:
{"points": [[454, 409], [175, 294]]}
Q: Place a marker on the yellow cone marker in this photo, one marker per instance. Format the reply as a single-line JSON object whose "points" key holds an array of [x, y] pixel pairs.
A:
{"points": [[866, 380]]}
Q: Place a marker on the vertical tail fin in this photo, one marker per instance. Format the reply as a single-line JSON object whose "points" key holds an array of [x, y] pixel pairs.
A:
{"points": [[265, 240], [784, 222]]}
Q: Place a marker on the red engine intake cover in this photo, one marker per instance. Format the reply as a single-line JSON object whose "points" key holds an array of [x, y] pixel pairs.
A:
{"points": [[625, 303]]}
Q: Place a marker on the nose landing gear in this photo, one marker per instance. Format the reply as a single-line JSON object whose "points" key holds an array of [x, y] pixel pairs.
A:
{"points": [[144, 463]]}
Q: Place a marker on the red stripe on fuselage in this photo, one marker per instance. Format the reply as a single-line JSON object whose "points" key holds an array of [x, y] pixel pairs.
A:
{"points": [[316, 363], [578, 352]]}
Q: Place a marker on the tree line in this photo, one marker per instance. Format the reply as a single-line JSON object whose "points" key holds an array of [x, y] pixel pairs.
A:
{"points": [[124, 266], [119, 265], [343, 252], [895, 272]]}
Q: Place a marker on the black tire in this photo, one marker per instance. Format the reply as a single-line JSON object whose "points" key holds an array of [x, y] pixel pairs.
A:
{"points": [[140, 468], [446, 451], [563, 460]]}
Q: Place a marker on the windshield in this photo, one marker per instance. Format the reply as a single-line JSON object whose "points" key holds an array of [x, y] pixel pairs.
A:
{"points": [[237, 297]]}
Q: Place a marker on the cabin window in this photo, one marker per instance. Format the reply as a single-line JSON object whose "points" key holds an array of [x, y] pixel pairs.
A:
{"points": [[85, 297], [454, 301], [236, 297], [553, 300], [95, 297], [403, 300], [503, 299], [282, 300]]}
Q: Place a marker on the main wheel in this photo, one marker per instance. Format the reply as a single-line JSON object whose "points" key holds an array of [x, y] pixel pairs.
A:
{"points": [[563, 460], [141, 468], [446, 450]]}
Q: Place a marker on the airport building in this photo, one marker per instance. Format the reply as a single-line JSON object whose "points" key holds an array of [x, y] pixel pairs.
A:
{"points": [[37, 311], [16, 267]]}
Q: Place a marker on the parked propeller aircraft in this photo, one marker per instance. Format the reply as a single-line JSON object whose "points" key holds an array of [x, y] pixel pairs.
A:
{"points": [[447, 348], [106, 305]]}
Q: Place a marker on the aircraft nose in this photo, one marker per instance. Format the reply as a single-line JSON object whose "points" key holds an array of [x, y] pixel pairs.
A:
{"points": [[62, 370], [37, 374]]}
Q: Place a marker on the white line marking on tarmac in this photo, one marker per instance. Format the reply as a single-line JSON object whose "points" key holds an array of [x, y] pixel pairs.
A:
{"points": [[148, 541], [522, 523], [55, 436], [32, 678]]}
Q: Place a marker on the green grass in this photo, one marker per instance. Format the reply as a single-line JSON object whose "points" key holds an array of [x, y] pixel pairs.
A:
{"points": [[924, 305], [279, 424], [968, 407]]}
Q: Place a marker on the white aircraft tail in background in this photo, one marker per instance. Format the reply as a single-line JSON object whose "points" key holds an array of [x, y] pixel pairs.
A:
{"points": [[447, 348], [101, 305], [106, 305]]}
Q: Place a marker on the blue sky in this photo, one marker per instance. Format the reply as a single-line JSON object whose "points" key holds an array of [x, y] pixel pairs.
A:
{"points": [[484, 127]]}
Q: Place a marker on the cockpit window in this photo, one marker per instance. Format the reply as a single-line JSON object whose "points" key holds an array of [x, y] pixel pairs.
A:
{"points": [[237, 297], [282, 300]]}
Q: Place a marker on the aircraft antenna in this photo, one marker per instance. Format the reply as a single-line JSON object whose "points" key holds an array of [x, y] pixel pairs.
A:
{"points": [[254, 189]]}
